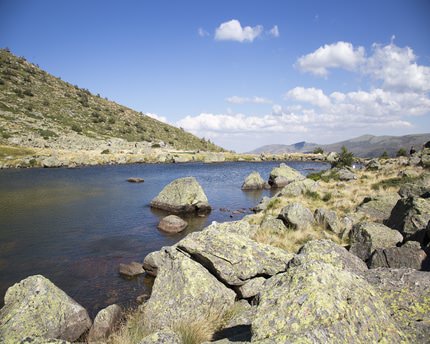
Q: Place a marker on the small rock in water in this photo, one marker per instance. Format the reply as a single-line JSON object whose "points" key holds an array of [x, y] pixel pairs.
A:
{"points": [[172, 224], [131, 270], [135, 180]]}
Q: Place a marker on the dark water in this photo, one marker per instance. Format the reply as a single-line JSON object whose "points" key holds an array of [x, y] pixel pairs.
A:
{"points": [[75, 226]]}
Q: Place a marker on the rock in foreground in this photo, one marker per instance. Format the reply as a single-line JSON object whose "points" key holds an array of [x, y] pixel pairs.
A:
{"points": [[183, 195], [172, 224], [35, 307]]}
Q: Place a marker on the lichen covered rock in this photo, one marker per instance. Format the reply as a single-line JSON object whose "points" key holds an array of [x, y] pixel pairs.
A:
{"points": [[366, 237], [35, 307], [315, 302], [253, 182], [104, 323], [184, 291], [328, 220], [296, 216], [298, 187], [234, 258], [183, 195], [378, 208], [283, 175]]}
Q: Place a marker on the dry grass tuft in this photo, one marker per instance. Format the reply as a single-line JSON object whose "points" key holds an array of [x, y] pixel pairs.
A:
{"points": [[132, 330]]}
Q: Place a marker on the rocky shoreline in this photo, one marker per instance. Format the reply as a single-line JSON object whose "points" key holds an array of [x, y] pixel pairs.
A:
{"points": [[341, 256]]}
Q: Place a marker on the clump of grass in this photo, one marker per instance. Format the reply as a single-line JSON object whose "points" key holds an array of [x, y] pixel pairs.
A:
{"points": [[312, 195], [131, 330], [273, 203], [395, 182], [327, 196]]}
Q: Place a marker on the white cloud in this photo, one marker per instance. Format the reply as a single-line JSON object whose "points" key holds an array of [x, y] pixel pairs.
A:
{"points": [[243, 100], [274, 31], [202, 32], [397, 69], [157, 117], [233, 31], [309, 95], [336, 55]]}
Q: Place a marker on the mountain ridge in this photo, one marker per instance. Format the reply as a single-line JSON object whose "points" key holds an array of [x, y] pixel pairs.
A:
{"points": [[365, 146]]}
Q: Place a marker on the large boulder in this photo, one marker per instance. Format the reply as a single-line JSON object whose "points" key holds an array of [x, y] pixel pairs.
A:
{"points": [[406, 293], [420, 187], [153, 261], [328, 220], [328, 252], [283, 175], [315, 302], [366, 237], [234, 259], [240, 227], [410, 255], [184, 291], [345, 174], [298, 187], [183, 195], [378, 208], [253, 182], [172, 224], [35, 307], [104, 324], [410, 217], [296, 216]]}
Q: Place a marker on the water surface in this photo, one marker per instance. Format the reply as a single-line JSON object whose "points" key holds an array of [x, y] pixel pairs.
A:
{"points": [[75, 226]]}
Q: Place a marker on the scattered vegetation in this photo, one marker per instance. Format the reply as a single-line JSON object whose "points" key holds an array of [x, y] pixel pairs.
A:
{"points": [[318, 150], [384, 156], [395, 182], [14, 151], [69, 106], [345, 159], [401, 152]]}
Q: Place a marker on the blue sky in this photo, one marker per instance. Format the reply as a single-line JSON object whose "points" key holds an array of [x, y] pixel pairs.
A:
{"points": [[242, 73]]}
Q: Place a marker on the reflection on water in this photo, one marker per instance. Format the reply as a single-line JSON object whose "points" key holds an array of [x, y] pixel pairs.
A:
{"points": [[75, 226]]}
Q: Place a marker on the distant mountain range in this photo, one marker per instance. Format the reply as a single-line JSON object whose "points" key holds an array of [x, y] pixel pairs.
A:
{"points": [[363, 146]]}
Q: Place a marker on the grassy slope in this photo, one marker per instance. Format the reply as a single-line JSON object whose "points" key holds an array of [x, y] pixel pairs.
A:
{"points": [[37, 103]]}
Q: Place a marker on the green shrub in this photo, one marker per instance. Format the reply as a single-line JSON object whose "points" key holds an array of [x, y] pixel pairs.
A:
{"points": [[46, 134], [312, 194], [1, 82], [384, 155], [346, 158], [401, 152], [318, 150], [27, 92]]}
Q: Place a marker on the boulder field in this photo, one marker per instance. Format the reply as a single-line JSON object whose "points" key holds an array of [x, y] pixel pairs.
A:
{"points": [[369, 284]]}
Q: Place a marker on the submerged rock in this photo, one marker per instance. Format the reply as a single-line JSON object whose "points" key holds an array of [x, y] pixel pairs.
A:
{"points": [[184, 291], [366, 237], [183, 195], [135, 180], [131, 270], [35, 307], [253, 182], [104, 323], [172, 224]]}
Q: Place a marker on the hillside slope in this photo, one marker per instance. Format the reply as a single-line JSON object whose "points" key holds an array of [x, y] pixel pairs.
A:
{"points": [[368, 146], [40, 110]]}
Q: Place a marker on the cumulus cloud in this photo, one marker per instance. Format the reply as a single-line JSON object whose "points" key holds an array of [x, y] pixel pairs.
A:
{"points": [[274, 31], [309, 95], [233, 31], [202, 32], [157, 117], [243, 100], [397, 69], [337, 55]]}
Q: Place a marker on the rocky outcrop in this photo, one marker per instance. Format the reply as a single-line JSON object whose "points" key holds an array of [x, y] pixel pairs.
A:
{"points": [[373, 165], [378, 208], [232, 258], [420, 187], [410, 255], [410, 217], [180, 286], [366, 237], [172, 224], [296, 216], [332, 157], [183, 195], [317, 303], [253, 182], [283, 175], [104, 324], [345, 174], [35, 307], [328, 220], [406, 294], [251, 287], [131, 270]]}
